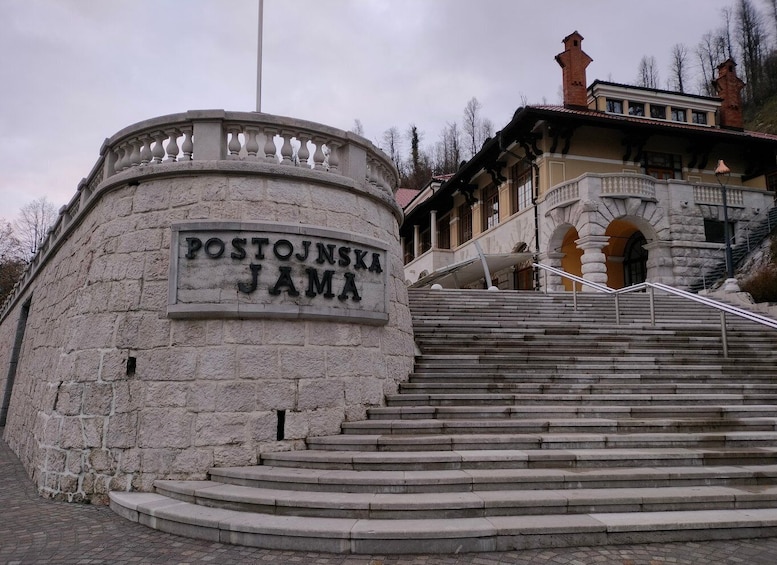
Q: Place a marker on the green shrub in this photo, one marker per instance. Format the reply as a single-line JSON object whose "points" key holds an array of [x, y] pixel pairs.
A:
{"points": [[762, 285]]}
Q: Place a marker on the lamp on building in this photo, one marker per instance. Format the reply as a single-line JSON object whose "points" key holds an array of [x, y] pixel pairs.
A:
{"points": [[723, 174]]}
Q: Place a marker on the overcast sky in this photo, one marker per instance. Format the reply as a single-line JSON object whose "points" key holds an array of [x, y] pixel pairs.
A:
{"points": [[74, 72]]}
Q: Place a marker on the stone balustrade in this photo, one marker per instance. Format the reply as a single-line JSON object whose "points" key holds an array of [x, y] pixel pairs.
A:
{"points": [[627, 186], [217, 135], [563, 195], [713, 194]]}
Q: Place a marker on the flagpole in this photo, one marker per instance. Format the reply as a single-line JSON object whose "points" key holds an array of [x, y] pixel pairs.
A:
{"points": [[259, 58]]}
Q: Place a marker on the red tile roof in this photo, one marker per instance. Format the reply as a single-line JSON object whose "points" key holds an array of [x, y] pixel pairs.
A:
{"points": [[405, 195], [662, 123]]}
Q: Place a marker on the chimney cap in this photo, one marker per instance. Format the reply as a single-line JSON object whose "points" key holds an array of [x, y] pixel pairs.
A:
{"points": [[575, 34]]}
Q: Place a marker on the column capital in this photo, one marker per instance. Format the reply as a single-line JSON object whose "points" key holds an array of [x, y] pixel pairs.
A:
{"points": [[592, 241]]}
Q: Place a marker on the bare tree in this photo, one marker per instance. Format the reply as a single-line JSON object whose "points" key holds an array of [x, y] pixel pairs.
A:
{"points": [[486, 129], [11, 259], [711, 52], [448, 150], [472, 124], [773, 5], [391, 144], [358, 128], [33, 223], [679, 68], [647, 76], [725, 32], [751, 37]]}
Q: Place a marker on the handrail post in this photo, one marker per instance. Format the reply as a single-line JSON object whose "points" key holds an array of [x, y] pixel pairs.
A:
{"points": [[617, 310], [574, 294], [724, 334], [545, 272], [652, 306]]}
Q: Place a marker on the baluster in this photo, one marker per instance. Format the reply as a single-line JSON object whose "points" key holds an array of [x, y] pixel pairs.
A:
{"points": [[334, 156], [145, 150], [172, 147], [158, 150], [270, 151], [134, 158], [234, 145], [252, 146], [287, 152], [303, 153], [187, 147], [318, 154], [126, 161], [372, 176], [118, 166]]}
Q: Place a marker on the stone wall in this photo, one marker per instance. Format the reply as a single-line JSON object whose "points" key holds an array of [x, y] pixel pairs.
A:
{"points": [[111, 393]]}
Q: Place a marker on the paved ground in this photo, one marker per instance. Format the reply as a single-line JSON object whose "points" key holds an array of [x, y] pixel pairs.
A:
{"points": [[34, 530]]}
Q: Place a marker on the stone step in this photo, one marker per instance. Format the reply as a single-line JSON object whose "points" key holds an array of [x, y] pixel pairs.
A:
{"points": [[504, 457], [559, 425], [439, 535], [697, 373], [721, 412], [582, 399], [487, 477], [440, 386], [603, 377], [468, 504], [538, 441], [429, 362]]}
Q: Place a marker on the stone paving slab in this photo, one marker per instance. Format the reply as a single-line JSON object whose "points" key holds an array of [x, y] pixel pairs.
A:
{"points": [[38, 531]]}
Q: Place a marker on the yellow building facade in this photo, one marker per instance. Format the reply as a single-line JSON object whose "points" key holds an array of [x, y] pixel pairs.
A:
{"points": [[619, 190]]}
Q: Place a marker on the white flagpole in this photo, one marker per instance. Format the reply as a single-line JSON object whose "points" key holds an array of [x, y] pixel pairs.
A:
{"points": [[259, 59]]}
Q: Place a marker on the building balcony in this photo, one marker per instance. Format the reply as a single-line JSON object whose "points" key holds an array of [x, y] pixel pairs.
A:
{"points": [[593, 186]]}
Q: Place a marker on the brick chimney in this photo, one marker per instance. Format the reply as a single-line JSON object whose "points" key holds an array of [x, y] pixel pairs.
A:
{"points": [[573, 63], [729, 87]]}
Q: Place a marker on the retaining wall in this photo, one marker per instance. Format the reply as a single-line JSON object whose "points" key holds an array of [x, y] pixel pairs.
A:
{"points": [[141, 362]]}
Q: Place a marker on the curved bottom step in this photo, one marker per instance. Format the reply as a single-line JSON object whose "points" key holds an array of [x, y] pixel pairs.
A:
{"points": [[498, 533]]}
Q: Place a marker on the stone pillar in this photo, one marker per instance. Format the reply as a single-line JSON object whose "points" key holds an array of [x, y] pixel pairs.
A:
{"points": [[594, 261], [433, 227], [554, 284], [416, 241], [659, 264]]}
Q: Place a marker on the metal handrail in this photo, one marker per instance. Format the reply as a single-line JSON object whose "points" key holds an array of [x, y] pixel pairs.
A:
{"points": [[763, 214], [722, 307]]}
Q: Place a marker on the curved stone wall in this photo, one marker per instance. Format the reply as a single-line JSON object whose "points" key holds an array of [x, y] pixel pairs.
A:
{"points": [[121, 381]]}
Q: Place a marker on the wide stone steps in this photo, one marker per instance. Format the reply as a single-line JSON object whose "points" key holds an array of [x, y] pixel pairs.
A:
{"points": [[439, 535], [440, 425], [500, 399], [472, 504], [634, 458], [468, 478], [534, 387], [711, 411], [551, 440], [526, 423]]}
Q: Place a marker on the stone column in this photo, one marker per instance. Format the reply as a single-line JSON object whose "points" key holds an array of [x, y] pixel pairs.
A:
{"points": [[594, 261], [553, 259], [660, 264], [416, 241], [433, 227]]}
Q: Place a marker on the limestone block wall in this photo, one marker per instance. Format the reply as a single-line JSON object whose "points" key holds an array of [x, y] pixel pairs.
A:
{"points": [[111, 393]]}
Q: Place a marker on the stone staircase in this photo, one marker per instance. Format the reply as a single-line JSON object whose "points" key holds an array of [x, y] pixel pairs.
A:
{"points": [[753, 237], [525, 424]]}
